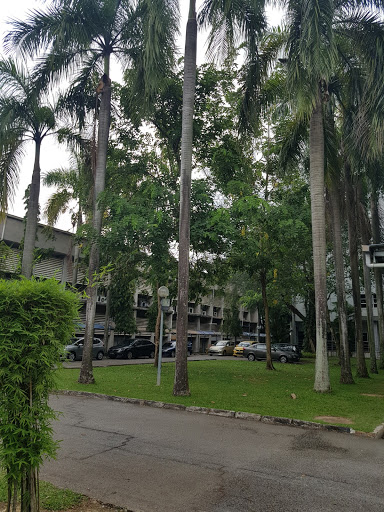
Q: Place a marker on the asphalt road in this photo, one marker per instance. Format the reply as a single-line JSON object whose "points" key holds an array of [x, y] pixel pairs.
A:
{"points": [[147, 459]]}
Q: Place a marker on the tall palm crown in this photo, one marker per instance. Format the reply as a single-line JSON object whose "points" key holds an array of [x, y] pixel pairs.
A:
{"points": [[320, 38], [24, 116], [82, 35]]}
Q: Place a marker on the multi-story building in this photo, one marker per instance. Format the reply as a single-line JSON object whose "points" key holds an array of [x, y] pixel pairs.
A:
{"points": [[205, 318]]}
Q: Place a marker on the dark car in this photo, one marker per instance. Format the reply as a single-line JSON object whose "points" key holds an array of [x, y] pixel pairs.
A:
{"points": [[169, 349], [132, 348], [287, 346], [258, 351], [75, 349]]}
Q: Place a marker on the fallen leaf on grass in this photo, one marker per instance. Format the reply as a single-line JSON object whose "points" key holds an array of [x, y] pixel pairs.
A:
{"points": [[293, 396]]}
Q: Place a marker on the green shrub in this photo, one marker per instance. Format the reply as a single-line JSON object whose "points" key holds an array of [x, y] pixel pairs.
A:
{"points": [[309, 355], [36, 321]]}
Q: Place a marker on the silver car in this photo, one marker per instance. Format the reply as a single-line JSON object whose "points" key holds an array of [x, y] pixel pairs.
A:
{"points": [[222, 348], [75, 350], [258, 351]]}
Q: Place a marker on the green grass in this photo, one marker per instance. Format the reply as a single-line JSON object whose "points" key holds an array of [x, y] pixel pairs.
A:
{"points": [[245, 386], [51, 498]]}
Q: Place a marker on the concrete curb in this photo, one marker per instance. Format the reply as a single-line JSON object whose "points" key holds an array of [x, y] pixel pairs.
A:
{"points": [[378, 433]]}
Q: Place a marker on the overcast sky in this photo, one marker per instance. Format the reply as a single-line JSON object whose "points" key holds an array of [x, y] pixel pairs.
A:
{"points": [[52, 154]]}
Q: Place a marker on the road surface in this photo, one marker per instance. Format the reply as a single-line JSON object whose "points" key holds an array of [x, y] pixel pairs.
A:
{"points": [[146, 459]]}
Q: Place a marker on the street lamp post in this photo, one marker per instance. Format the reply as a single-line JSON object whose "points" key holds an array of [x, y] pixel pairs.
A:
{"points": [[162, 293]]}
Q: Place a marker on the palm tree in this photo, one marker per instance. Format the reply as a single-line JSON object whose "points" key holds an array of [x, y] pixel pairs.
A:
{"points": [[360, 121], [24, 117], [72, 186], [294, 139], [247, 18], [376, 232], [83, 34], [319, 38], [320, 35], [336, 228], [189, 85]]}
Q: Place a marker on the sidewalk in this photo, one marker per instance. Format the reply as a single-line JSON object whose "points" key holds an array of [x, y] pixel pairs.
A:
{"points": [[142, 360]]}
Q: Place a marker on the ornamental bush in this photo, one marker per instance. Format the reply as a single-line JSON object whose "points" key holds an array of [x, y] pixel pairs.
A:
{"points": [[36, 321]]}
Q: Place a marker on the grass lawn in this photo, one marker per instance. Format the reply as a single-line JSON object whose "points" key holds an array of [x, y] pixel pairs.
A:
{"points": [[245, 386], [51, 498]]}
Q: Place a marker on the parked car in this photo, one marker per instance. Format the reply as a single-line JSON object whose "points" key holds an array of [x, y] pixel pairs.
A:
{"points": [[132, 348], [169, 349], [222, 348], [238, 350], [286, 346], [75, 349], [258, 351]]}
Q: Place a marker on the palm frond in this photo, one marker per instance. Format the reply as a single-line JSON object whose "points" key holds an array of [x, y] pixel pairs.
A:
{"points": [[292, 137], [61, 28], [259, 87], [311, 49], [61, 177], [231, 22], [332, 143], [11, 154], [13, 80], [81, 98], [56, 205], [151, 45]]}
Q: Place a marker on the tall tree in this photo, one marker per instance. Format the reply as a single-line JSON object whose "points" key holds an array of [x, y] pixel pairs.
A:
{"points": [[84, 34], [181, 386], [247, 19], [376, 235], [335, 212], [365, 236], [310, 44], [24, 116], [318, 34]]}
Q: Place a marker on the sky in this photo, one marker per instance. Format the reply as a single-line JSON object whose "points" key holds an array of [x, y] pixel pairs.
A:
{"points": [[53, 155]]}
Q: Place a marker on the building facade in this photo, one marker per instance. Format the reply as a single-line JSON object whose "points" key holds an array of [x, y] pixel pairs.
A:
{"points": [[205, 317]]}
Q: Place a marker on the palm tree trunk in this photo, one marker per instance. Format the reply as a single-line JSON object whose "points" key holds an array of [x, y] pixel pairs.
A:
{"points": [[365, 238], [353, 223], [181, 387], [86, 372], [263, 282], [107, 317], [345, 361], [316, 138], [32, 216], [157, 328], [378, 276], [76, 256], [369, 308]]}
